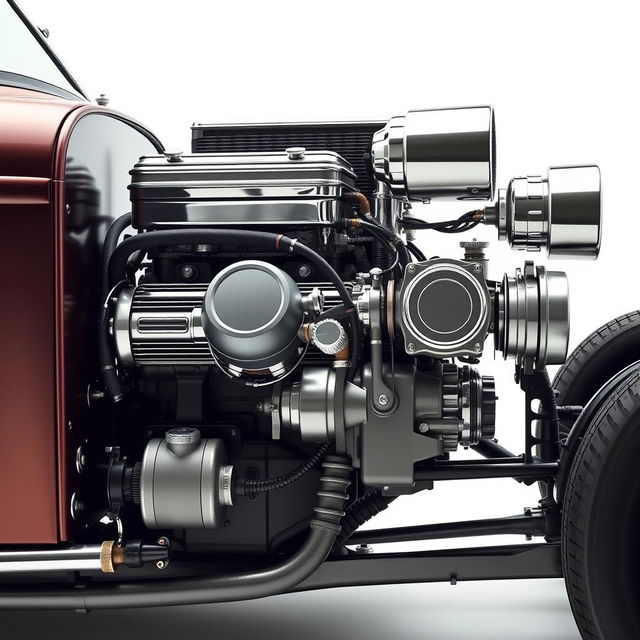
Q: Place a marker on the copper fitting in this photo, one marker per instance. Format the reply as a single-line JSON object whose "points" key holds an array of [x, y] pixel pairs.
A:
{"points": [[362, 202], [304, 332], [478, 215], [342, 354], [352, 223], [111, 556]]}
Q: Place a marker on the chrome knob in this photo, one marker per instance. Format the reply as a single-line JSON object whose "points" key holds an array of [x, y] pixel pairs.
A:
{"points": [[296, 153], [182, 440], [328, 336]]}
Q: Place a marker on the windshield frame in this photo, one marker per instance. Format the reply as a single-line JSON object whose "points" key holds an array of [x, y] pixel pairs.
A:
{"points": [[12, 79]]}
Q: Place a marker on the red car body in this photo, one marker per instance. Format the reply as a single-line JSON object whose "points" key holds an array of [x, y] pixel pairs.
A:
{"points": [[41, 407]]}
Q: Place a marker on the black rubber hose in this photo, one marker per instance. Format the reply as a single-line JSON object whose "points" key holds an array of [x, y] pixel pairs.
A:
{"points": [[110, 243], [361, 511], [284, 244], [254, 487], [378, 230], [106, 360], [332, 496], [416, 252]]}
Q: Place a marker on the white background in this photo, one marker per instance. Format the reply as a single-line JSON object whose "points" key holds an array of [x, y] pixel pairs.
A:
{"points": [[562, 77]]}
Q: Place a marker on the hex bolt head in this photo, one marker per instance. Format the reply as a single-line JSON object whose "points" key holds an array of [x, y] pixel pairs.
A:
{"points": [[423, 427], [383, 400], [411, 268], [411, 347], [187, 272], [304, 270], [161, 564]]}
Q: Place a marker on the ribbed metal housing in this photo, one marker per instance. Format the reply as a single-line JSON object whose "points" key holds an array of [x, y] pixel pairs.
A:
{"points": [[159, 324], [352, 140]]}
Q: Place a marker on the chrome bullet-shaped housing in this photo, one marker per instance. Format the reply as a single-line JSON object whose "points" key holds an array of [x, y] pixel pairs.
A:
{"points": [[438, 153], [561, 213]]}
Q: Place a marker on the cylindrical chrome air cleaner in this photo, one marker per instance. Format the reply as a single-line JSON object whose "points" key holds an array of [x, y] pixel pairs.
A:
{"points": [[438, 153], [561, 212]]}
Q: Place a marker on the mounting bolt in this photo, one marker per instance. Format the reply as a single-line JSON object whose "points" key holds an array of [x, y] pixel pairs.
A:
{"points": [[423, 427], [76, 506], [477, 347], [383, 399], [163, 541], [304, 270], [411, 347], [187, 272], [102, 100], [161, 564], [364, 548], [81, 460], [411, 268]]}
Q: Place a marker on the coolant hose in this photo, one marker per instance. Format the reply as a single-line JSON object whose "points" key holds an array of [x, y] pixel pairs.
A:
{"points": [[280, 243], [332, 496], [116, 229]]}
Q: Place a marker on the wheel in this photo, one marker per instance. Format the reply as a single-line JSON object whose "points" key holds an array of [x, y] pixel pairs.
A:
{"points": [[595, 360], [601, 520], [591, 364]]}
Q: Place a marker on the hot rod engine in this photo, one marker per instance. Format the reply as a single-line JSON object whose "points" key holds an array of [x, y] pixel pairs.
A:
{"points": [[273, 359]]}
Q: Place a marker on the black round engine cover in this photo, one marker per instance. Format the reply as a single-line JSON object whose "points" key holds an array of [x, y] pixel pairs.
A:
{"points": [[251, 315]]}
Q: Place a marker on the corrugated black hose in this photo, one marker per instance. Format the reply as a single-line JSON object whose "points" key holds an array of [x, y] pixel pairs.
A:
{"points": [[361, 511], [254, 487]]}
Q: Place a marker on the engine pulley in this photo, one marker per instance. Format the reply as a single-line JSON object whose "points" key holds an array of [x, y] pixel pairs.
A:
{"points": [[532, 315]]}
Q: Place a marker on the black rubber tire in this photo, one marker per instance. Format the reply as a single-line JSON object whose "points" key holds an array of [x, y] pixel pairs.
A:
{"points": [[600, 520], [597, 359]]}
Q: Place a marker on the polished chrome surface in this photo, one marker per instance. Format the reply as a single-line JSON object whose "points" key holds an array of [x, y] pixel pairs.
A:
{"points": [[387, 209], [533, 315], [161, 324], [560, 213], [438, 153], [311, 408], [187, 491], [79, 558], [296, 186]]}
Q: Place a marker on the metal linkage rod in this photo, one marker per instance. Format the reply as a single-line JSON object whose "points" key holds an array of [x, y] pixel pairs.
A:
{"points": [[473, 471], [531, 524]]}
